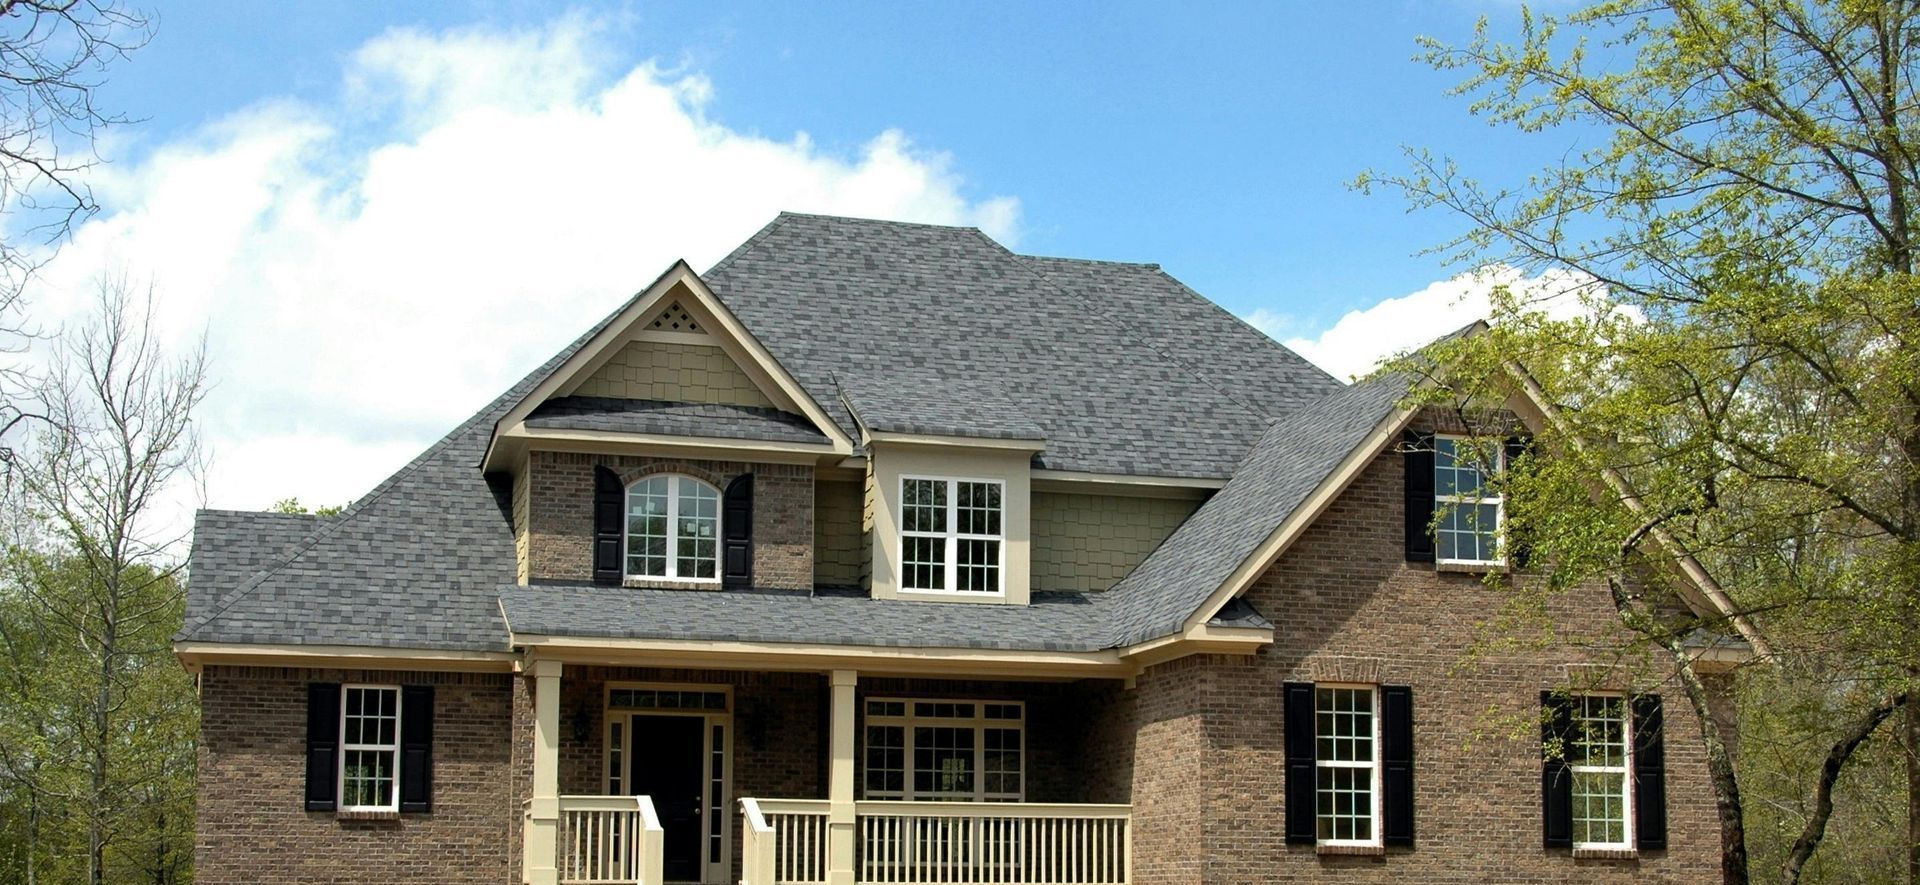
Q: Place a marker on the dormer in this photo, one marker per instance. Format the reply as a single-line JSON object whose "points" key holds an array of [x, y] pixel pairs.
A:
{"points": [[673, 368], [948, 488]]}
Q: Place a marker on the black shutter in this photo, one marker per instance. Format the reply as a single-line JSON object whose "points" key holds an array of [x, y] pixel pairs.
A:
{"points": [[1556, 782], [416, 748], [1419, 511], [323, 745], [1519, 552], [609, 502], [1649, 773], [736, 528], [1396, 760], [1297, 711]]}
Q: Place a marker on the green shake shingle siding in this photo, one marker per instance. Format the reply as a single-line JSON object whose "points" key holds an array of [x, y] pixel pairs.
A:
{"points": [[1089, 542]]}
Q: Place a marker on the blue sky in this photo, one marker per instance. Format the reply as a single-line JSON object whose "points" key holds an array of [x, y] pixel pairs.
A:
{"points": [[343, 194], [1216, 139]]}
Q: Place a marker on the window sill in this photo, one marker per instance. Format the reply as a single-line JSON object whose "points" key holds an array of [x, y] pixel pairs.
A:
{"points": [[1472, 568], [366, 815], [668, 584], [1607, 853], [1351, 850]]}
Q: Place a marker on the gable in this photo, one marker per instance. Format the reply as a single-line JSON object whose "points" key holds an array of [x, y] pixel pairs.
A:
{"points": [[673, 343], [673, 372]]}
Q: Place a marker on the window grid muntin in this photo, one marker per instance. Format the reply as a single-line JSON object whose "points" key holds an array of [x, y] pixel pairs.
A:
{"points": [[1346, 764], [1600, 762], [896, 729], [382, 750], [1470, 515], [679, 532], [952, 535]]}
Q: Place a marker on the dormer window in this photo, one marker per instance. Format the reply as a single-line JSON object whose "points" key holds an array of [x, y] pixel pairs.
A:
{"points": [[673, 529], [952, 535]]}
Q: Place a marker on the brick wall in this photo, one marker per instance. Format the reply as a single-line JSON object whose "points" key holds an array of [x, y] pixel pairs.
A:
{"points": [[252, 822], [1089, 542], [560, 514], [1206, 771], [839, 547], [681, 373]]}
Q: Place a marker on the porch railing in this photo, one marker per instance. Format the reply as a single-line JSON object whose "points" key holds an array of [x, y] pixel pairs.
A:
{"points": [[783, 841], [609, 840], [964, 843]]}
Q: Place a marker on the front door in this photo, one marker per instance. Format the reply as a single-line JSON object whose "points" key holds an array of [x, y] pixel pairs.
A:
{"points": [[667, 756]]}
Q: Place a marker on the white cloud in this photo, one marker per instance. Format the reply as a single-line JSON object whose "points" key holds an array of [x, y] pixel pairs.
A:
{"points": [[1361, 339], [371, 270]]}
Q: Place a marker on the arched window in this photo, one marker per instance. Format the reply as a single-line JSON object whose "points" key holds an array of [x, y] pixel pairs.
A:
{"points": [[673, 529]]}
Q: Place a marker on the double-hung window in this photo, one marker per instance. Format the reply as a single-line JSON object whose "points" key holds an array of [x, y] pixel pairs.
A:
{"points": [[1347, 765], [952, 535], [1599, 756], [944, 751], [1468, 509], [673, 529], [369, 748]]}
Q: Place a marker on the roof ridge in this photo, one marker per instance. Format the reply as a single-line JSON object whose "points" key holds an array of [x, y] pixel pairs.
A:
{"points": [[1152, 264], [752, 242], [1130, 332], [861, 219], [234, 511], [1238, 319]]}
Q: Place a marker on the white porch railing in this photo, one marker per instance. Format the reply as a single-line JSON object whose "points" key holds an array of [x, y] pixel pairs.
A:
{"points": [[609, 840], [783, 841], [963, 843]]}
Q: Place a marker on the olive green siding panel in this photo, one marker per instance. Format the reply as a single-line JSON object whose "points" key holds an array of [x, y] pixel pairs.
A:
{"points": [[839, 548], [681, 373], [1089, 542]]}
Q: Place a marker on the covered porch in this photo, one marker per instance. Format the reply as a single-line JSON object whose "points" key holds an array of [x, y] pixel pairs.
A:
{"points": [[646, 774]]}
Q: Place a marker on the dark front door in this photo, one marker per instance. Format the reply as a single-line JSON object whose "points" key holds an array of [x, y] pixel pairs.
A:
{"points": [[667, 752]]}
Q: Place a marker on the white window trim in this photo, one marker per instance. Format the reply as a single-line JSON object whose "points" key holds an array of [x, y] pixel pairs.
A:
{"points": [[979, 723], [340, 768], [953, 536], [1625, 769], [1498, 500], [673, 530], [1319, 763]]}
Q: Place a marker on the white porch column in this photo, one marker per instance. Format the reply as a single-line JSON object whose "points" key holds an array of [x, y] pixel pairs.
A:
{"points": [[541, 834], [840, 818]]}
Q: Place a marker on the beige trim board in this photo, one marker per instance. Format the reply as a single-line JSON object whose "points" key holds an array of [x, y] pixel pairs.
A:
{"points": [[1204, 639], [745, 350], [1707, 598], [195, 655], [1076, 477], [611, 442], [958, 442], [740, 655], [1302, 517]]}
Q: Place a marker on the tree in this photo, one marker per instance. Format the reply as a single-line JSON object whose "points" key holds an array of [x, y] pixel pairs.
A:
{"points": [[93, 598], [1744, 392], [53, 54]]}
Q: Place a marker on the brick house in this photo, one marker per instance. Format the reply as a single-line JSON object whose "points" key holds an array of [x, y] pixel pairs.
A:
{"points": [[879, 553]]}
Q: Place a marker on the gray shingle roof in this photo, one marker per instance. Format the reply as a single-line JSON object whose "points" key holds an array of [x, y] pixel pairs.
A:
{"points": [[1091, 355], [836, 299], [927, 403], [760, 423], [229, 546], [1294, 456], [1054, 622]]}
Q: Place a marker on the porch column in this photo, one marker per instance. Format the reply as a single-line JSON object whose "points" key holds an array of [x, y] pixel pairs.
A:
{"points": [[840, 818], [541, 835]]}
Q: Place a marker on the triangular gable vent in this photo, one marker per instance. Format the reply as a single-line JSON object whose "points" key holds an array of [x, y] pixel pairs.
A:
{"points": [[675, 319]]}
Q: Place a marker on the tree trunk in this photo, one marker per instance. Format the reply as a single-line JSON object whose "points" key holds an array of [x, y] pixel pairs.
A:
{"points": [[1913, 786]]}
